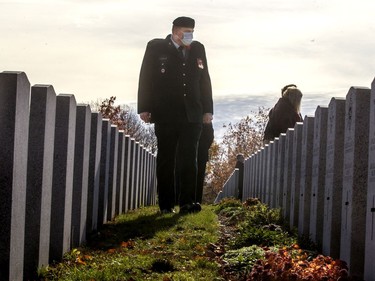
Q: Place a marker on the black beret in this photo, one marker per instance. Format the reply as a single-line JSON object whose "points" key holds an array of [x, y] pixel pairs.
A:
{"points": [[184, 22]]}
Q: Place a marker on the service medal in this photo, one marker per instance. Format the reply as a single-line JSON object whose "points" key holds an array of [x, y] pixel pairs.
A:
{"points": [[200, 63]]}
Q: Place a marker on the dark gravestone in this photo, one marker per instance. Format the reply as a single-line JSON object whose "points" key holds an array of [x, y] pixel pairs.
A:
{"points": [[268, 188], [296, 175], [81, 171], [333, 180], [288, 173], [152, 199], [305, 187], [104, 172], [94, 172], [137, 157], [318, 175], [247, 178], [257, 174], [112, 173], [274, 162], [262, 183], [132, 180], [39, 179], [126, 194], [354, 193], [120, 174], [280, 171], [370, 210], [62, 183], [14, 123]]}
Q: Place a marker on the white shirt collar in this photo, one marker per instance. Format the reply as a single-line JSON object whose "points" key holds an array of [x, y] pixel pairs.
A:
{"points": [[174, 43]]}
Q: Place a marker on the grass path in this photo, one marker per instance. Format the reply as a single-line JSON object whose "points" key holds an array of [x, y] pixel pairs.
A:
{"points": [[144, 245], [231, 241]]}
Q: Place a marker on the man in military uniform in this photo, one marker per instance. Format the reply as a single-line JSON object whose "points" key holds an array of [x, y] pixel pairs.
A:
{"points": [[175, 93]]}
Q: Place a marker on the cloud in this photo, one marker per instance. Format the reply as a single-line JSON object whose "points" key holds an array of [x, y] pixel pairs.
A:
{"points": [[94, 49]]}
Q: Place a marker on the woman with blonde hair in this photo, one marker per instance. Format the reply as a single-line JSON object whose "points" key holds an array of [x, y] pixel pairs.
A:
{"points": [[285, 113]]}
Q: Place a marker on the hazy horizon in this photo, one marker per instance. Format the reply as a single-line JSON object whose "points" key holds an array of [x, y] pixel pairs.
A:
{"points": [[233, 108]]}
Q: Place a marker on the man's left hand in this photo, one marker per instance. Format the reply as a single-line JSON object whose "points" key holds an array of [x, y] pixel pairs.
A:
{"points": [[207, 118]]}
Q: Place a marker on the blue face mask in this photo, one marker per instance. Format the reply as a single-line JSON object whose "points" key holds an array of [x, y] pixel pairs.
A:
{"points": [[187, 38]]}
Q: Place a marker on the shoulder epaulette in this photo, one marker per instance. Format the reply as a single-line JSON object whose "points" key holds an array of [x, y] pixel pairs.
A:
{"points": [[155, 41]]}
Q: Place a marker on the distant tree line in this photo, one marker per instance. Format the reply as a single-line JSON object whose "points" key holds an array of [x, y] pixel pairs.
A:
{"points": [[244, 137]]}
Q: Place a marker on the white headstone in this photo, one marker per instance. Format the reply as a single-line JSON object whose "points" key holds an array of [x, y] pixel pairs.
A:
{"points": [[333, 180], [370, 209], [318, 175], [288, 162], [353, 221], [296, 175], [305, 187]]}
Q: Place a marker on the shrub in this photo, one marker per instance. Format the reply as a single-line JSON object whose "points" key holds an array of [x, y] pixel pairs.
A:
{"points": [[240, 262], [287, 265], [269, 235], [228, 203]]}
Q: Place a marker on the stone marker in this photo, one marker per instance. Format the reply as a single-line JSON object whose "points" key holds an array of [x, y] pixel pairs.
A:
{"points": [[94, 172], [296, 175], [127, 175], [280, 171], [268, 188], [120, 173], [288, 173], [370, 209], [104, 172], [132, 180], [251, 193], [146, 176], [247, 178], [81, 172], [333, 180], [62, 183], [151, 184], [256, 174], [39, 179], [305, 187], [318, 175], [273, 175], [141, 174], [353, 220], [14, 123], [263, 187], [112, 173], [137, 174]]}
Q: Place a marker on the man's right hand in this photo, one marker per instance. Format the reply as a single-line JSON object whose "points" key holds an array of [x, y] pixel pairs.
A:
{"points": [[145, 116]]}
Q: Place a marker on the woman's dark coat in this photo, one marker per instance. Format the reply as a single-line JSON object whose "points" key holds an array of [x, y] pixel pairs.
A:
{"points": [[281, 117]]}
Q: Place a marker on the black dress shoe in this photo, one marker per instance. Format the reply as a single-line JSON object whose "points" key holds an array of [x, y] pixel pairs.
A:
{"points": [[186, 209], [167, 211], [197, 207], [190, 208]]}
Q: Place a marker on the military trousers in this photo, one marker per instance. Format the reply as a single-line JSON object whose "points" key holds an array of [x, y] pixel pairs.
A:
{"points": [[176, 139]]}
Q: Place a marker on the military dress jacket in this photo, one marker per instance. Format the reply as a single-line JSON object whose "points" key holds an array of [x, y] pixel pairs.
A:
{"points": [[173, 88]]}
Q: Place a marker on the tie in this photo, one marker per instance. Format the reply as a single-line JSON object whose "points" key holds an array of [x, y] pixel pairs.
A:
{"points": [[180, 52]]}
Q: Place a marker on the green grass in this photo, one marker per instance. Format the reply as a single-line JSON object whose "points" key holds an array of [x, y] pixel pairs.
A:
{"points": [[222, 242], [144, 245]]}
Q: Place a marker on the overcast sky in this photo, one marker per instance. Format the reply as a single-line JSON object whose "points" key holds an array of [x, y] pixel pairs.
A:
{"points": [[94, 49]]}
